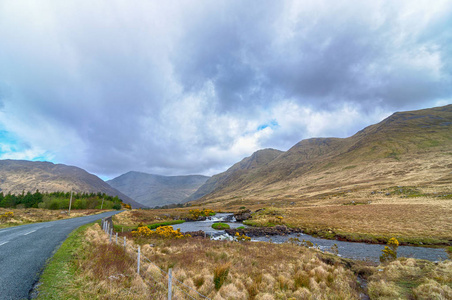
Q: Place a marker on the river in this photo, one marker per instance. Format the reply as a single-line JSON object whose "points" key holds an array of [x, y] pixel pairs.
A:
{"points": [[361, 251]]}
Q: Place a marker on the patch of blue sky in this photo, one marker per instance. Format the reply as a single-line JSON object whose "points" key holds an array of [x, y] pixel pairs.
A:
{"points": [[8, 143], [12, 147], [272, 124]]}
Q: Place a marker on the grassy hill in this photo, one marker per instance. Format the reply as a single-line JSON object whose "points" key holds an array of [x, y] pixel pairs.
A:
{"points": [[20, 175], [155, 190], [406, 148], [393, 178], [234, 174]]}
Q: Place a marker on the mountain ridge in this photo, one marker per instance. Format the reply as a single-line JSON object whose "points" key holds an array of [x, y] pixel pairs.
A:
{"points": [[253, 162], [404, 142], [23, 175], [157, 190]]}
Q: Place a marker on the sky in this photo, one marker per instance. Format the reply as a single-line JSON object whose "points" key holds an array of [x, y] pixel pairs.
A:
{"points": [[192, 87]]}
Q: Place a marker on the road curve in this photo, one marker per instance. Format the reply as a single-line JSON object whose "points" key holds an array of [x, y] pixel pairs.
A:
{"points": [[25, 249]]}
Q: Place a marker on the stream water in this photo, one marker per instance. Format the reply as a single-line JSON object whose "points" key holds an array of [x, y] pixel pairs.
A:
{"points": [[351, 250]]}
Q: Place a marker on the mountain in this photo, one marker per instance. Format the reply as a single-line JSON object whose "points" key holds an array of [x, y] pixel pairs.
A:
{"points": [[20, 175], [407, 148], [156, 190], [221, 181]]}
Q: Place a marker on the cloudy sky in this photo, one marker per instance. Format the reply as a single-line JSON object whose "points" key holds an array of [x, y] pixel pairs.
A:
{"points": [[191, 87]]}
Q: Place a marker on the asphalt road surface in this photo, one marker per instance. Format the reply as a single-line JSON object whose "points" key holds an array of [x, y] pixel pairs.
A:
{"points": [[25, 249]]}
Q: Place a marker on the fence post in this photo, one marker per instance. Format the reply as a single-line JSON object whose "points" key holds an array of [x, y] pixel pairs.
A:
{"points": [[116, 238], [138, 261], [111, 231], [170, 283]]}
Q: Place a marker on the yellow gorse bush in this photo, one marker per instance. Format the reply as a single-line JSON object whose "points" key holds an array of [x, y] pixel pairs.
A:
{"points": [[196, 213], [6, 216], [165, 232], [390, 251], [241, 238]]}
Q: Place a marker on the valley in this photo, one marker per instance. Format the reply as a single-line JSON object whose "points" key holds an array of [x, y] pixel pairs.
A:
{"points": [[390, 181]]}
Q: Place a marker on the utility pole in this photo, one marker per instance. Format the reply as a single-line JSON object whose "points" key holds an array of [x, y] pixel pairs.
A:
{"points": [[102, 203], [70, 204]]}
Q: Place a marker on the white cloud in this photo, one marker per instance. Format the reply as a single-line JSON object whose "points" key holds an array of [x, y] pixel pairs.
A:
{"points": [[179, 88]]}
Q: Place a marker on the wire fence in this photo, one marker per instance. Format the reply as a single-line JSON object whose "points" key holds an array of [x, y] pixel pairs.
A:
{"points": [[172, 283]]}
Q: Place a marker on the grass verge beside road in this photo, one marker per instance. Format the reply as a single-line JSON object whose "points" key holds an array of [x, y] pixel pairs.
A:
{"points": [[59, 274]]}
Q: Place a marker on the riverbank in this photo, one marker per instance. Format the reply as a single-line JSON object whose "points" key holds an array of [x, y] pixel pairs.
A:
{"points": [[365, 223], [344, 236]]}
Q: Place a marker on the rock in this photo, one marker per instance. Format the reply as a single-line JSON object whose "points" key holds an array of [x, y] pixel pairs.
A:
{"points": [[264, 231], [198, 233], [242, 215]]}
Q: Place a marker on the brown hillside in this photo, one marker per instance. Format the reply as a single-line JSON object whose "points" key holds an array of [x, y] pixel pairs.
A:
{"points": [[220, 181], [19, 175], [407, 148]]}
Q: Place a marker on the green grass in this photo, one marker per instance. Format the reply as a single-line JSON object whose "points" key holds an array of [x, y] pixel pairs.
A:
{"points": [[60, 272], [123, 228], [220, 226], [168, 223]]}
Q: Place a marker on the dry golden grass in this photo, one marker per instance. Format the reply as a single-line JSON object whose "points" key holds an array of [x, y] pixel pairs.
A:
{"points": [[105, 271], [254, 270], [137, 216], [34, 215], [412, 279], [421, 220]]}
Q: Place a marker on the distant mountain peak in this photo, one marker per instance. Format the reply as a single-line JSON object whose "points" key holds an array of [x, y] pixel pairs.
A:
{"points": [[157, 190]]}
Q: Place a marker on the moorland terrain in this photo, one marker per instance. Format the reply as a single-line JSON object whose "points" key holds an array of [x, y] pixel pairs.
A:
{"points": [[390, 180]]}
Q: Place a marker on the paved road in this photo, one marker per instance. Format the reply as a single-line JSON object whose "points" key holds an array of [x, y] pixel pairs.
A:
{"points": [[25, 249]]}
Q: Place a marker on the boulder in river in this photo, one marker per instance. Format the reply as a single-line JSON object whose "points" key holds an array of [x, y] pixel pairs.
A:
{"points": [[242, 215]]}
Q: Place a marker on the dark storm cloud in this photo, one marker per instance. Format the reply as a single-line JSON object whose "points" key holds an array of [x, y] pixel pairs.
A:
{"points": [[179, 88], [341, 53]]}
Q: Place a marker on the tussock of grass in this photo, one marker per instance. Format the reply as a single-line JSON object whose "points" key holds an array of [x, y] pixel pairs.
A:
{"points": [[412, 279]]}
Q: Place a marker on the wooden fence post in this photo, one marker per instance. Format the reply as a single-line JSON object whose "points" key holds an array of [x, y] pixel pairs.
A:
{"points": [[138, 261], [170, 283]]}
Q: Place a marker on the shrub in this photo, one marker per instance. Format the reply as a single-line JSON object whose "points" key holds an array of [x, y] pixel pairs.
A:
{"points": [[194, 214], [6, 216], [220, 226], [166, 232], [390, 251], [335, 249], [241, 238]]}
